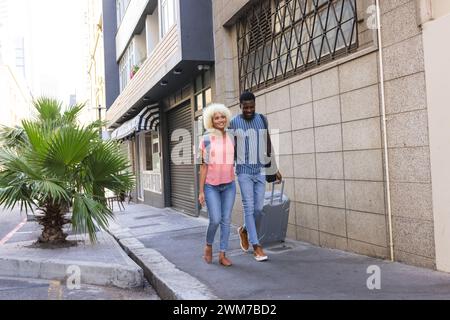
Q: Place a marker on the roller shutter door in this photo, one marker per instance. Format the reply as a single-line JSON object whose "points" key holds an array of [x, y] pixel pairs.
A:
{"points": [[182, 176]]}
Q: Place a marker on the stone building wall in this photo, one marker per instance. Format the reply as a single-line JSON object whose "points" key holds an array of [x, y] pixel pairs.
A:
{"points": [[331, 149]]}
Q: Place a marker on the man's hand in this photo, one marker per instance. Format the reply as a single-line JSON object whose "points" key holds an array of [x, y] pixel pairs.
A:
{"points": [[279, 177]]}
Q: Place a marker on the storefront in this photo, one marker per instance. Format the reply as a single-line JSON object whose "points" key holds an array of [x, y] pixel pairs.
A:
{"points": [[184, 125], [141, 141]]}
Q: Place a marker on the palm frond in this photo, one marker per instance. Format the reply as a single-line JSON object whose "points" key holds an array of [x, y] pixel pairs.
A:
{"points": [[69, 146], [48, 109], [23, 181], [89, 214], [10, 196], [37, 135], [97, 125], [13, 163], [12, 137], [51, 189], [70, 116], [108, 168]]}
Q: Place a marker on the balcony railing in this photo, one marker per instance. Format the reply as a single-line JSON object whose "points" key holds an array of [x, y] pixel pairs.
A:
{"points": [[151, 181]]}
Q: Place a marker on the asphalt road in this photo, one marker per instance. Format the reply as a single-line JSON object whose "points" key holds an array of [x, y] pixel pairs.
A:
{"points": [[32, 289], [9, 220]]}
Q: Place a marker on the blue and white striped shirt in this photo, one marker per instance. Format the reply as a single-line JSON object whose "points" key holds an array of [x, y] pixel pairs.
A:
{"points": [[251, 143]]}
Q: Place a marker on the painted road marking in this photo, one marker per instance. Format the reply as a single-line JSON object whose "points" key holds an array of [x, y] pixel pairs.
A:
{"points": [[9, 235]]}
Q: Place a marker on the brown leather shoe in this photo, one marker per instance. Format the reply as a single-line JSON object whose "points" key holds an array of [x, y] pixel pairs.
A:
{"points": [[223, 260], [208, 254], [259, 254], [243, 236]]}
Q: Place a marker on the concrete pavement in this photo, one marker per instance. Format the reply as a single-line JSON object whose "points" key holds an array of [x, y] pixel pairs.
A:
{"points": [[104, 263], [165, 239]]}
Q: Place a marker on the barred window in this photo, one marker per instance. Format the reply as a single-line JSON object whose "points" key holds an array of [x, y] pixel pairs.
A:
{"points": [[280, 38]]}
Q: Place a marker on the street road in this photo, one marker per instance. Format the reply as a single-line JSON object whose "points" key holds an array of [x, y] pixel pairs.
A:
{"points": [[32, 289], [9, 220]]}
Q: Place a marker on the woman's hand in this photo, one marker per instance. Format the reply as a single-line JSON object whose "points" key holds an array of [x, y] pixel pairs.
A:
{"points": [[201, 198]]}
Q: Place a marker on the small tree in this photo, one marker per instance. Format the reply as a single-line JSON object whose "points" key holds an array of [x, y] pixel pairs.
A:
{"points": [[52, 164]]}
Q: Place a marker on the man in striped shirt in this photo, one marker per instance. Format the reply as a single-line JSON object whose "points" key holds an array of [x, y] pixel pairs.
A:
{"points": [[252, 146]]}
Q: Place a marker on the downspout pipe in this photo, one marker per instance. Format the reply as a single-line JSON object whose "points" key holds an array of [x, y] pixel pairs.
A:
{"points": [[383, 111]]}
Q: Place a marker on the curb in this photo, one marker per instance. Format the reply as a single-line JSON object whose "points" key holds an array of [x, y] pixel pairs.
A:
{"points": [[169, 282], [102, 274]]}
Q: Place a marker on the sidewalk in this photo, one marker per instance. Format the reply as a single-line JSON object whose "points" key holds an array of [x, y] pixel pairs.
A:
{"points": [[104, 263], [169, 246]]}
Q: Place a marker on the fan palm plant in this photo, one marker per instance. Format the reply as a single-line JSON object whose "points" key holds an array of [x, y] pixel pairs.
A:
{"points": [[52, 164]]}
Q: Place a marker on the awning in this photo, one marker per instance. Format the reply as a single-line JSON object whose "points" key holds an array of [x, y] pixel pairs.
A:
{"points": [[149, 120], [146, 120]]}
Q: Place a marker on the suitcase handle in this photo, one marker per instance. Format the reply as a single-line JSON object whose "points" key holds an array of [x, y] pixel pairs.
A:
{"points": [[273, 191]]}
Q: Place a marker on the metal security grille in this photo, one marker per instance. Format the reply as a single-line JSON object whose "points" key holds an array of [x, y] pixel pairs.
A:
{"points": [[279, 38], [182, 181]]}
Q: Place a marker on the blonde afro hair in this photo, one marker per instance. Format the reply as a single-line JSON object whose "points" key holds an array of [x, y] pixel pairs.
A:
{"points": [[211, 110]]}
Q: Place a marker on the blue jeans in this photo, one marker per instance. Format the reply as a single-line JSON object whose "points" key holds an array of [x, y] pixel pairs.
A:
{"points": [[253, 188], [220, 202]]}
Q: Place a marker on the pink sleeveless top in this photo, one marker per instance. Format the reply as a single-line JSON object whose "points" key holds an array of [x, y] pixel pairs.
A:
{"points": [[219, 156]]}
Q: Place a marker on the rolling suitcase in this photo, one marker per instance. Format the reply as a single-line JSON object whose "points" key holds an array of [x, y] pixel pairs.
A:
{"points": [[272, 226]]}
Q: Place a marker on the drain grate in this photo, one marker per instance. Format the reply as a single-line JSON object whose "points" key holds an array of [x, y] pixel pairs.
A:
{"points": [[278, 249], [145, 226], [149, 217]]}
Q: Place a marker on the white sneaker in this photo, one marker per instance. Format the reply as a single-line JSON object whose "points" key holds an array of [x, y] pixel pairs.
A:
{"points": [[261, 258], [259, 254]]}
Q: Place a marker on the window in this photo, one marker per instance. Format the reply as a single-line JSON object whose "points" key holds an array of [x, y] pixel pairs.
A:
{"points": [[203, 97], [167, 15], [203, 93], [279, 38], [152, 158], [126, 65], [121, 8], [148, 152]]}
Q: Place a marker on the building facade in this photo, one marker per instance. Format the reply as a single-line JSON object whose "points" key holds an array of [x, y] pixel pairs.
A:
{"points": [[15, 97], [159, 59], [362, 132], [435, 20], [96, 110]]}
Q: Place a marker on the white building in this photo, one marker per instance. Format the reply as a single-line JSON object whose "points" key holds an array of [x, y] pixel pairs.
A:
{"points": [[15, 96], [96, 107]]}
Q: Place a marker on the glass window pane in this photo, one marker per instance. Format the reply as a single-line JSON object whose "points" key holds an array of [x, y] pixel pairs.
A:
{"points": [[155, 152], [208, 96], [198, 83], [207, 81], [198, 130], [148, 152], [199, 101]]}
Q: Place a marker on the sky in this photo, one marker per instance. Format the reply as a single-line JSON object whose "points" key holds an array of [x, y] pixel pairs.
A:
{"points": [[57, 46]]}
